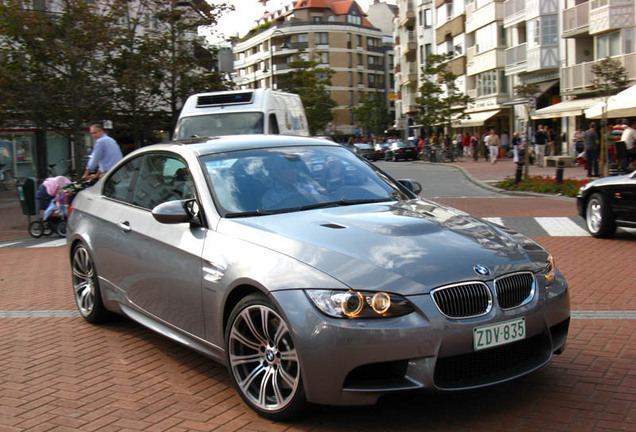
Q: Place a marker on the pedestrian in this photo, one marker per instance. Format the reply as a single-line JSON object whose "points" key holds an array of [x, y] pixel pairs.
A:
{"points": [[516, 142], [591, 142], [577, 139], [540, 139], [505, 143], [551, 139], [106, 153], [466, 145], [629, 138], [474, 143], [494, 145]]}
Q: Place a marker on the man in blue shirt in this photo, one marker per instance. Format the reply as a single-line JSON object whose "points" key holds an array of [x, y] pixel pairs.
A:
{"points": [[106, 153]]}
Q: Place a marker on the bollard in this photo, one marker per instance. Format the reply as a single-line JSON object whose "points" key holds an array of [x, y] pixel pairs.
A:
{"points": [[559, 171], [519, 172]]}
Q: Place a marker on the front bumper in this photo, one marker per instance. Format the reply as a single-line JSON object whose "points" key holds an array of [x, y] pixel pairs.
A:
{"points": [[354, 362]]}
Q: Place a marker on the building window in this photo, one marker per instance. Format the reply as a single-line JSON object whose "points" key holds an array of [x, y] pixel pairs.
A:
{"points": [[354, 19], [350, 97], [428, 18], [317, 19], [302, 40], [350, 60], [628, 45], [487, 83], [360, 60], [322, 57], [350, 79], [549, 30], [360, 78], [608, 45], [359, 40], [486, 37], [321, 38]]}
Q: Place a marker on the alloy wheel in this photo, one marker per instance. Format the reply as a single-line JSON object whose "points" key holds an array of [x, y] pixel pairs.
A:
{"points": [[263, 359], [83, 281]]}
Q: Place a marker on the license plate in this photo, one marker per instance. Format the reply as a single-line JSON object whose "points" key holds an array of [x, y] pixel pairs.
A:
{"points": [[499, 334]]}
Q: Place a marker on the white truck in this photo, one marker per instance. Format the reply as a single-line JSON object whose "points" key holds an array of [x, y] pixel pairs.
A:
{"points": [[237, 112]]}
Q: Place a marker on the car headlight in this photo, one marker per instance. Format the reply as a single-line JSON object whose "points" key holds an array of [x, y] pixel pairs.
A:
{"points": [[359, 304], [550, 270]]}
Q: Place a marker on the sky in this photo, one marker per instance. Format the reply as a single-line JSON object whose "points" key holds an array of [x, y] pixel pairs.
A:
{"points": [[247, 11]]}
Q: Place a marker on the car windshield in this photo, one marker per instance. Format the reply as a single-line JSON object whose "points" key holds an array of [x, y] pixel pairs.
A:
{"points": [[274, 180], [404, 145], [219, 124]]}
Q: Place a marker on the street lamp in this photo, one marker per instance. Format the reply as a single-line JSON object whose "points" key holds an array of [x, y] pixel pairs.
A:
{"points": [[271, 52]]}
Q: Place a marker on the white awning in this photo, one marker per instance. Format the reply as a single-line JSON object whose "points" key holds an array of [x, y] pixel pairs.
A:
{"points": [[620, 105], [476, 119], [569, 108]]}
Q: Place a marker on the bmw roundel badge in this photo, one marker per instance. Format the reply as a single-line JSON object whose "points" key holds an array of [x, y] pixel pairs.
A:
{"points": [[481, 270]]}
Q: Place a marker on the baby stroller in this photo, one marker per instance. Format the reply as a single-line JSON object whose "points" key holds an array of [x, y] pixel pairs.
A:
{"points": [[54, 197]]}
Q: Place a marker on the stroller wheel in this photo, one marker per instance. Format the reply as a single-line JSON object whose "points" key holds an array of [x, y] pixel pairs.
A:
{"points": [[36, 229], [47, 228], [61, 229]]}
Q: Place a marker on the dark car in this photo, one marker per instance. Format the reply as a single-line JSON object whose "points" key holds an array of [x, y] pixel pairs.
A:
{"points": [[365, 150], [608, 203], [400, 150], [380, 150]]}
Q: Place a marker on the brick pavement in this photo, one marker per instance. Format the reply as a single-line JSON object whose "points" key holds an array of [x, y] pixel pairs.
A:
{"points": [[63, 374]]}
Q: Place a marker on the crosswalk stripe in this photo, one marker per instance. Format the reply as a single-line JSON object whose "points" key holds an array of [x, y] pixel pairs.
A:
{"points": [[52, 243], [561, 227]]}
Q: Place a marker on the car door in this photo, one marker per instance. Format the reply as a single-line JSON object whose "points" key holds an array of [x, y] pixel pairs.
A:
{"points": [[158, 266]]}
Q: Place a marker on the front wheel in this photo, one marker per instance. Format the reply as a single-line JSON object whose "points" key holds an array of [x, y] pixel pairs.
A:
{"points": [[263, 361], [86, 286], [599, 217], [61, 229]]}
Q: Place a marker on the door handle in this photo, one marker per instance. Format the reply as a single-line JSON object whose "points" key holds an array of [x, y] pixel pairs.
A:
{"points": [[125, 226]]}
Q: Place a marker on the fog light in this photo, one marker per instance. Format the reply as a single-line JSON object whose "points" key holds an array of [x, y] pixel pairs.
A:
{"points": [[352, 304], [380, 303]]}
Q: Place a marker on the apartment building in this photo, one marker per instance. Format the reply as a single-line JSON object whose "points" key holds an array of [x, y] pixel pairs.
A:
{"points": [[407, 69], [591, 31], [336, 33]]}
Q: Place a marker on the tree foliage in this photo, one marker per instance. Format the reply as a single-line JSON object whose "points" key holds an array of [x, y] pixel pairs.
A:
{"points": [[440, 102], [373, 114], [610, 77], [83, 60], [310, 82]]}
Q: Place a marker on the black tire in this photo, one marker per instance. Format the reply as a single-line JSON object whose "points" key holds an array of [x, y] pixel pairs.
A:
{"points": [[86, 291], [599, 218], [36, 229], [61, 229], [259, 364], [48, 228]]}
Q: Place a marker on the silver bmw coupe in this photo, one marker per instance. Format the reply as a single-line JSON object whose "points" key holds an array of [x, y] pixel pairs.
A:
{"points": [[313, 275]]}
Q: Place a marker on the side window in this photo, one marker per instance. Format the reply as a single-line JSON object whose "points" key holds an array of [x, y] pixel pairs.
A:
{"points": [[273, 125], [162, 178], [119, 185]]}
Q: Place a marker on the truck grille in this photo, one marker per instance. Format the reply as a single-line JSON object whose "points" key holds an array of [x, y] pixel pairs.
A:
{"points": [[514, 290], [463, 300]]}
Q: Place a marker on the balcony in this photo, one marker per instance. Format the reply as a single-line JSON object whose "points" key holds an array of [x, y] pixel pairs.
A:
{"points": [[410, 50], [486, 14], [514, 12], [407, 18], [608, 15], [453, 28], [576, 21], [578, 79], [516, 59]]}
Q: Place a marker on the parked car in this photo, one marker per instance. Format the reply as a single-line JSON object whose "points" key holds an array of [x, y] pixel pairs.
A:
{"points": [[313, 275], [365, 150], [401, 150], [380, 150], [608, 203]]}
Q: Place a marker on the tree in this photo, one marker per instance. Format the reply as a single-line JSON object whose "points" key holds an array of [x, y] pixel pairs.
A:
{"points": [[440, 97], [529, 92], [310, 82], [373, 114], [610, 77], [53, 70]]}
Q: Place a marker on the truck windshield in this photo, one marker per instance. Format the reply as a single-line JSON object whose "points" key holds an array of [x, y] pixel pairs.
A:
{"points": [[219, 124]]}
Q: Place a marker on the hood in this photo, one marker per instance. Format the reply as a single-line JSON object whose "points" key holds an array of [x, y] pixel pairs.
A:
{"points": [[407, 247]]}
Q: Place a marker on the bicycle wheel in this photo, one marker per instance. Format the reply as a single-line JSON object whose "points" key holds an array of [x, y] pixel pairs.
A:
{"points": [[47, 228]]}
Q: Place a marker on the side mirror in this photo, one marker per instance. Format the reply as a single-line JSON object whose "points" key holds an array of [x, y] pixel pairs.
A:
{"points": [[175, 212], [412, 185]]}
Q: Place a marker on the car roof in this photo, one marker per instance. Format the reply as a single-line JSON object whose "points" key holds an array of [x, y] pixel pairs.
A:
{"points": [[211, 145]]}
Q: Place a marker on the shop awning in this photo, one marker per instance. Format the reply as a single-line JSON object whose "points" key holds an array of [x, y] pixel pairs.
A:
{"points": [[476, 119], [569, 108]]}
